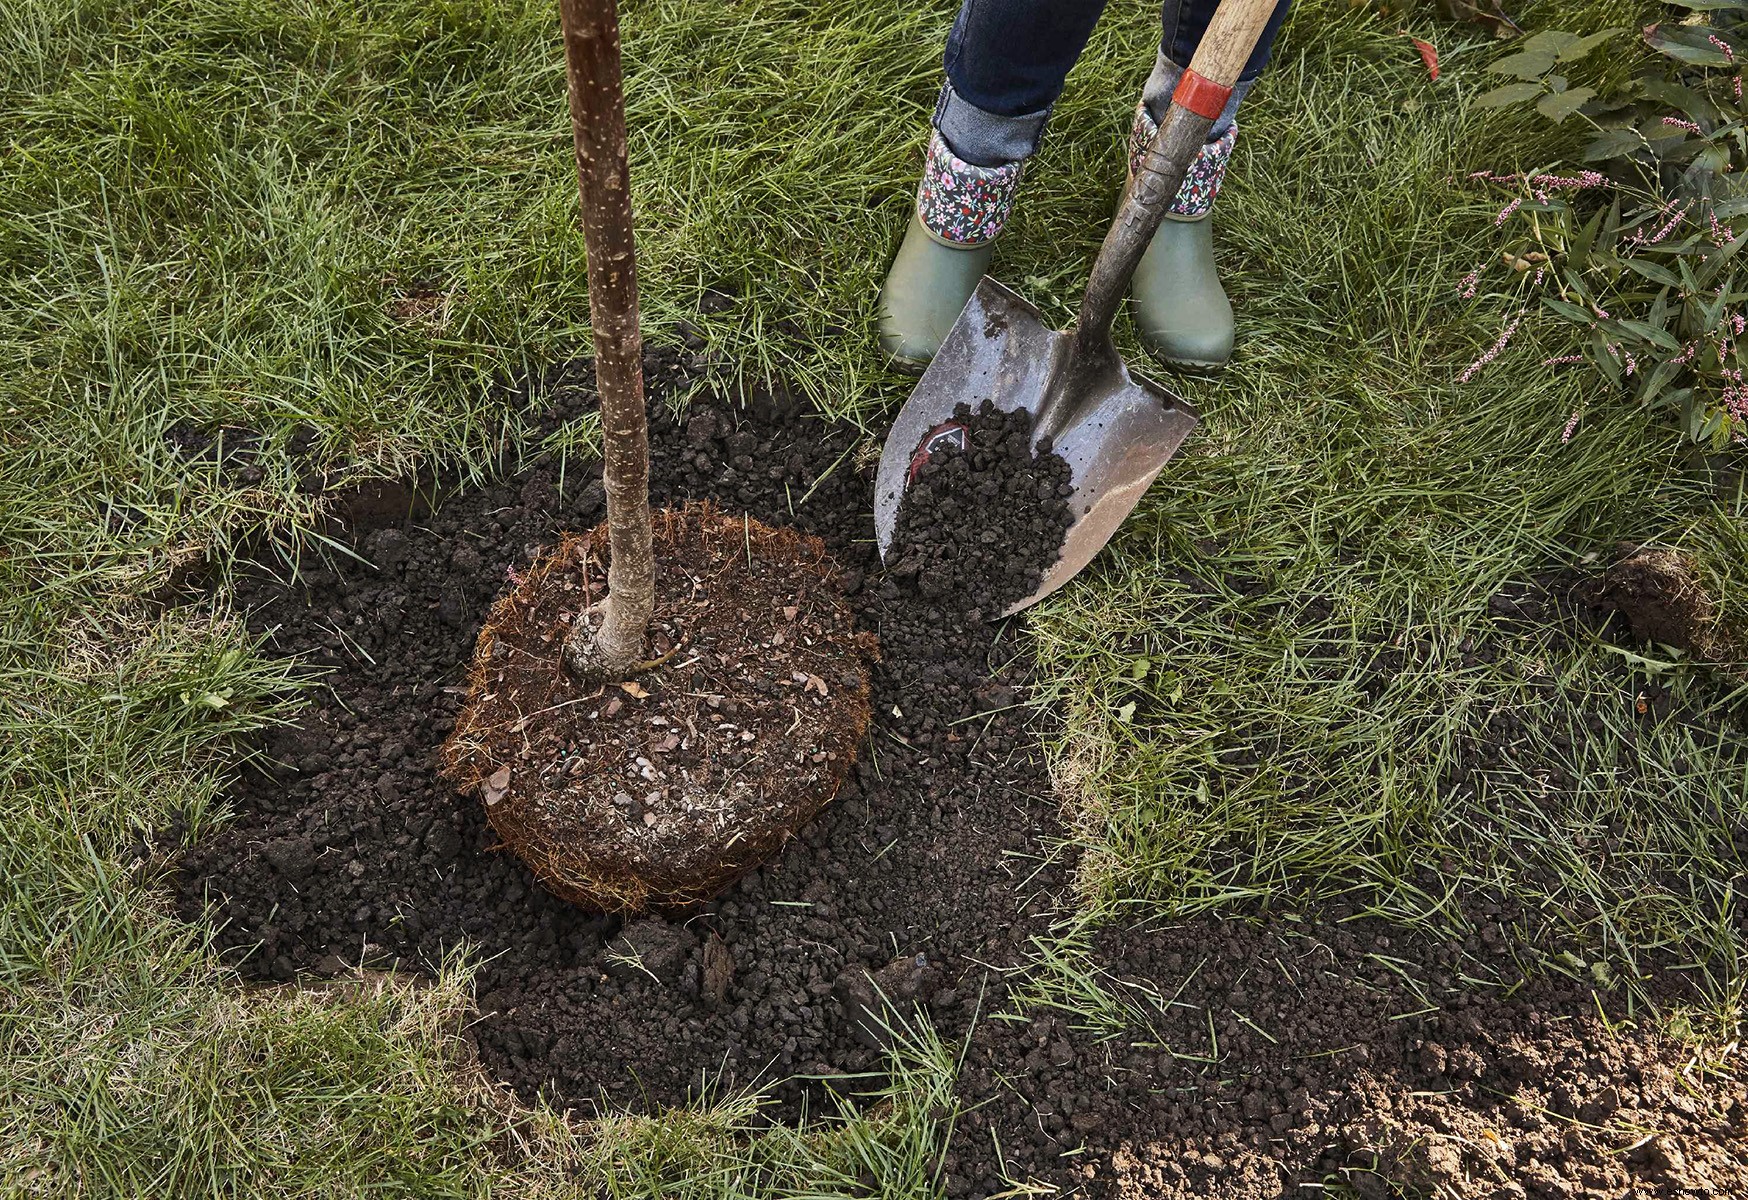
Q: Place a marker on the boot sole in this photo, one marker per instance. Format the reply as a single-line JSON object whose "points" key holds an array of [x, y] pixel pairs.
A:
{"points": [[1199, 366], [905, 366]]}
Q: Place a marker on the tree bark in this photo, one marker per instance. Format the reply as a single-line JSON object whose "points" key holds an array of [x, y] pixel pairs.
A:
{"points": [[607, 643]]}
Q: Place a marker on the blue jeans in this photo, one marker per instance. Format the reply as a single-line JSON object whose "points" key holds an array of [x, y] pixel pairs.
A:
{"points": [[1006, 60]]}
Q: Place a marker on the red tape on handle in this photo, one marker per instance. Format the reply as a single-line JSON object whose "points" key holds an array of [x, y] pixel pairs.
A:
{"points": [[1201, 95]]}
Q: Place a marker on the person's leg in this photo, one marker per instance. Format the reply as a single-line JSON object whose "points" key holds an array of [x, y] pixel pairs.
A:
{"points": [[1181, 311], [1005, 63]]}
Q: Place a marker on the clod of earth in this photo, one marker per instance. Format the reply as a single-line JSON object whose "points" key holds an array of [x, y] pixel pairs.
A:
{"points": [[868, 996], [1660, 594], [966, 513], [663, 789]]}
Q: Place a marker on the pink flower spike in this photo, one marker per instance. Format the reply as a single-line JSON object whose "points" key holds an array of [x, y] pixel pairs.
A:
{"points": [[1721, 44], [1679, 123], [1571, 424], [1639, 239], [1466, 288], [1584, 179], [1505, 213], [1564, 360], [1492, 351], [1736, 404]]}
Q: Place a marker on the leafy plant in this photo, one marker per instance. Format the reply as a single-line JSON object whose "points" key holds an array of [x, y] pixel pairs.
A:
{"points": [[1534, 64], [1639, 247]]}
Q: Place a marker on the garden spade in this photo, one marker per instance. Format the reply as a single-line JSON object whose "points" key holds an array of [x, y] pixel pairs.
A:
{"points": [[1114, 428]]}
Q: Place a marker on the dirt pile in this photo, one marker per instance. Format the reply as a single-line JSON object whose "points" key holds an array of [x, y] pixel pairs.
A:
{"points": [[1254, 1057], [348, 849], [1662, 597], [1644, 595], [993, 514]]}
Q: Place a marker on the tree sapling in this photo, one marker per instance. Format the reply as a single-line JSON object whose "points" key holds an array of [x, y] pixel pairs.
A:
{"points": [[686, 723]]}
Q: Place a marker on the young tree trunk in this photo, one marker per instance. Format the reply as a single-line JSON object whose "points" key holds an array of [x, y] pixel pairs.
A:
{"points": [[608, 643]]}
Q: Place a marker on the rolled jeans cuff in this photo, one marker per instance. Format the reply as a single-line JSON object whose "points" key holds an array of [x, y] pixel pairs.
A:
{"points": [[983, 138], [1156, 95]]}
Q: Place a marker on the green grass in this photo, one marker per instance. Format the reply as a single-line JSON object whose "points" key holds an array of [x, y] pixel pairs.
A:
{"points": [[351, 219], [1234, 746]]}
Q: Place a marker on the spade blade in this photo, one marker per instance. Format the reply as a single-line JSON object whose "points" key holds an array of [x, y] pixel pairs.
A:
{"points": [[1122, 430]]}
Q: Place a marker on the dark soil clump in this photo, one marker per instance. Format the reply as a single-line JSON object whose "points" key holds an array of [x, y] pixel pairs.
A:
{"points": [[1647, 595], [993, 514], [664, 788], [1660, 595]]}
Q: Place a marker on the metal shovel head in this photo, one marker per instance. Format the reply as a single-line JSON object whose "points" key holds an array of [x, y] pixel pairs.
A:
{"points": [[1121, 433]]}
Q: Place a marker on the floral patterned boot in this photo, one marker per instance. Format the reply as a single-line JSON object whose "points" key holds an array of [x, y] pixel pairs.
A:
{"points": [[1181, 312], [960, 209]]}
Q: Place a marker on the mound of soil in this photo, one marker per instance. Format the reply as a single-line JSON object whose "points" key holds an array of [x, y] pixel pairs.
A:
{"points": [[664, 789], [348, 850], [1660, 594], [1647, 594], [944, 534], [1248, 1059]]}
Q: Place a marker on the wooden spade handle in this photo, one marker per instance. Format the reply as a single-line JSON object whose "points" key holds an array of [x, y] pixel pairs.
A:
{"points": [[1230, 39], [1200, 96]]}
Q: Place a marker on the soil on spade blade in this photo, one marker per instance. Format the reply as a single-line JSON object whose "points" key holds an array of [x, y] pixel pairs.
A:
{"points": [[664, 788], [1287, 1052]]}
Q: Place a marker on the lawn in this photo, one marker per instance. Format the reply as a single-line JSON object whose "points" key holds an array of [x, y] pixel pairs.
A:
{"points": [[1284, 687]]}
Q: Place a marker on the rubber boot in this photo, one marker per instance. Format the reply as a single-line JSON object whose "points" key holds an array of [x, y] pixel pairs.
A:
{"points": [[960, 209], [1181, 312]]}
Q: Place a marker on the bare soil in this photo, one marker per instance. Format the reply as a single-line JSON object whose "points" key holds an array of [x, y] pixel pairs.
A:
{"points": [[1325, 1049], [1294, 1052], [664, 788]]}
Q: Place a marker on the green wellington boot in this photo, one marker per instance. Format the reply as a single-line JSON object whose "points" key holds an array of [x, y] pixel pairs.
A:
{"points": [[1181, 312], [960, 209]]}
